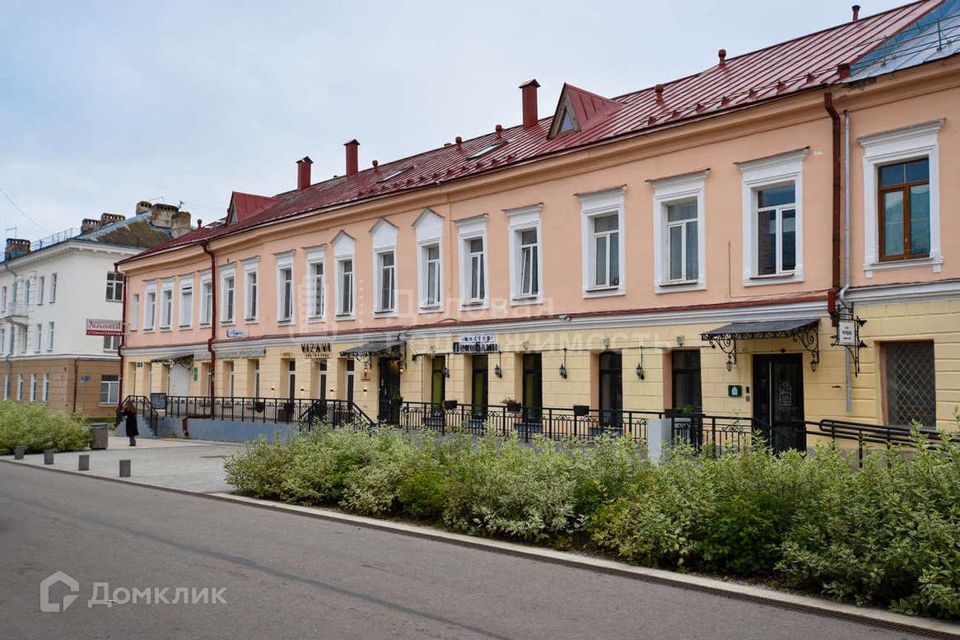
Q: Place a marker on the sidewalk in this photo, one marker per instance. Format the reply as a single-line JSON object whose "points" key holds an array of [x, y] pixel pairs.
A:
{"points": [[187, 465]]}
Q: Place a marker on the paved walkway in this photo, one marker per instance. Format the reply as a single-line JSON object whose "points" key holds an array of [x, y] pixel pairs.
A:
{"points": [[188, 465]]}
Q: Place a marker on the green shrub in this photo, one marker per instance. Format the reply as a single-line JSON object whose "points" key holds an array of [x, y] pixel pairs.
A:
{"points": [[39, 428]]}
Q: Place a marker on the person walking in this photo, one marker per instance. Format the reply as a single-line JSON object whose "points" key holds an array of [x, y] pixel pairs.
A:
{"points": [[129, 415]]}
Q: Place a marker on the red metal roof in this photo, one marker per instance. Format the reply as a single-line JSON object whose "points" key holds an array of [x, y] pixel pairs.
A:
{"points": [[247, 205], [774, 72]]}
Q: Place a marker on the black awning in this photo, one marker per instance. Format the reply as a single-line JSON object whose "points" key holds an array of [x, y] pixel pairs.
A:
{"points": [[762, 329], [376, 348]]}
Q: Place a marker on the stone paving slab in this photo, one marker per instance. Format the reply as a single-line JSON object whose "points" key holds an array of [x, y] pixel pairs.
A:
{"points": [[187, 465]]}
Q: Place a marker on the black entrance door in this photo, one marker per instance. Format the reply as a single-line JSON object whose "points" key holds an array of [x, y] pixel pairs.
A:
{"points": [[532, 388], [479, 389], [778, 399], [611, 388], [389, 407]]}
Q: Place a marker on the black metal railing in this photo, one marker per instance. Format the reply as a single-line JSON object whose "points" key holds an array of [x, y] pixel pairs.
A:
{"points": [[580, 423], [145, 409], [336, 414], [237, 409]]}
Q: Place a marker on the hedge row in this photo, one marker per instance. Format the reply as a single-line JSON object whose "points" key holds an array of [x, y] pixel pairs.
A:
{"points": [[887, 534]]}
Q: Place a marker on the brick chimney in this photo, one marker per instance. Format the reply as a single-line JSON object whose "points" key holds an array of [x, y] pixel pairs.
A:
{"points": [[107, 219], [89, 224], [351, 156], [180, 223], [856, 12], [303, 173], [15, 248], [529, 94]]}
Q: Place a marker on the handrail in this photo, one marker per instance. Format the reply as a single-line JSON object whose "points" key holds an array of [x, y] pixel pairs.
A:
{"points": [[145, 407]]}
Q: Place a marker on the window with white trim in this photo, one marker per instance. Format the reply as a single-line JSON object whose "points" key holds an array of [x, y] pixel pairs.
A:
{"points": [[429, 228], [251, 291], [50, 328], [111, 344], [678, 231], [186, 302], [109, 389], [901, 196], [206, 299], [150, 308], [773, 218], [346, 283], [285, 290], [386, 281], [316, 284], [20, 386], [26, 291], [46, 388], [228, 296], [472, 233], [38, 338], [41, 289], [134, 312], [3, 298], [166, 305], [114, 287], [33, 387], [383, 236], [525, 254], [602, 242], [344, 249], [53, 288]]}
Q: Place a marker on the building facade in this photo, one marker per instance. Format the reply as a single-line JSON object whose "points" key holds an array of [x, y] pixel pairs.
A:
{"points": [[61, 302], [776, 237]]}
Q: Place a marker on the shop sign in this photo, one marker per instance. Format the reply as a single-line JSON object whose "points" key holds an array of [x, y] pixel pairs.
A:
{"points": [[316, 349], [235, 333], [104, 328], [847, 333], [482, 343], [241, 354]]}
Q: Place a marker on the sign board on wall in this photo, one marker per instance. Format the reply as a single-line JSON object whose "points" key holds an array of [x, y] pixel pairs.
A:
{"points": [[316, 349], [847, 333], [104, 328], [476, 344]]}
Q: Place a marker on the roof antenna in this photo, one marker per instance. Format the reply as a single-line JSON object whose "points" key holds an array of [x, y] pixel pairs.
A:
{"points": [[856, 12]]}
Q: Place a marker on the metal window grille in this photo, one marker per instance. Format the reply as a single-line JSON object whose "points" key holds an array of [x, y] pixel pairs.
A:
{"points": [[910, 383]]}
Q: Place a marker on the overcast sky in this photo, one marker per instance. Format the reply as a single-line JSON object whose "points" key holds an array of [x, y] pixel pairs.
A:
{"points": [[103, 104]]}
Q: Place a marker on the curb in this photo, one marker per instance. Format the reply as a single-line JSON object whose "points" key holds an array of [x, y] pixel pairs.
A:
{"points": [[761, 595]]}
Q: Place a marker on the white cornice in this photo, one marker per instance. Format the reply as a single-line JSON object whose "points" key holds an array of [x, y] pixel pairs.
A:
{"points": [[906, 293]]}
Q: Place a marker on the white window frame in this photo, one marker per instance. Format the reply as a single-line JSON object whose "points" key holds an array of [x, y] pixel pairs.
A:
{"points": [[50, 335], [46, 388], [3, 298], [114, 287], [134, 312], [206, 302], [670, 191], [283, 262], [384, 238], [228, 295], [19, 386], [316, 289], [524, 219], [429, 228], [53, 288], [112, 388], [41, 289], [150, 309], [165, 306], [38, 339], [344, 249], [889, 147], [185, 311], [757, 175], [597, 205], [111, 344], [251, 290], [468, 229], [33, 387], [27, 286]]}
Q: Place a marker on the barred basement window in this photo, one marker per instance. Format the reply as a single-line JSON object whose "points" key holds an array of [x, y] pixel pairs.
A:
{"points": [[909, 385]]}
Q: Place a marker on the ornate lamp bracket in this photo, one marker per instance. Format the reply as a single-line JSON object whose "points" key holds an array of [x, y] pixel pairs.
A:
{"points": [[726, 343], [809, 339]]}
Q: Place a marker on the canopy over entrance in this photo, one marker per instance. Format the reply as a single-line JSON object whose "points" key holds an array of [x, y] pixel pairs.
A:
{"points": [[803, 331]]}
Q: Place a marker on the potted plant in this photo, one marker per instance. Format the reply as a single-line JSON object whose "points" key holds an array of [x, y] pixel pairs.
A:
{"points": [[512, 405]]}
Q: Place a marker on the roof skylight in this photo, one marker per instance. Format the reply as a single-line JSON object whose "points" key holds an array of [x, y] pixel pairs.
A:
{"points": [[394, 174], [487, 149]]}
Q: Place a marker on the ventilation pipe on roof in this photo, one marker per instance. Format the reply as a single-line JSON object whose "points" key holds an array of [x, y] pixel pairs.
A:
{"points": [[722, 54], [529, 94], [352, 162], [659, 90], [856, 12], [303, 173], [499, 130], [459, 141]]}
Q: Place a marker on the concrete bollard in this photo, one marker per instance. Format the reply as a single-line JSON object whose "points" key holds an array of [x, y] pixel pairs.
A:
{"points": [[18, 451], [48, 456], [84, 462], [124, 468]]}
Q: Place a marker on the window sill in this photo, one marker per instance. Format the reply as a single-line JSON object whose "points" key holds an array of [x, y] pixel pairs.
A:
{"points": [[525, 300], [315, 319], [932, 261], [109, 300], [183, 327], [431, 309], [778, 278], [286, 322], [680, 286], [342, 317], [227, 323], [251, 320], [166, 330], [603, 292], [386, 313], [473, 305]]}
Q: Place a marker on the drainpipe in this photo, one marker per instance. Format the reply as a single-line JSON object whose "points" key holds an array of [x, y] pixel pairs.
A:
{"points": [[846, 243], [213, 316], [123, 334], [835, 262], [9, 352]]}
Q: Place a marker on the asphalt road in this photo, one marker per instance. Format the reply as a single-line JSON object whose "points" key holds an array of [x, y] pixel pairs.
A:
{"points": [[288, 576]]}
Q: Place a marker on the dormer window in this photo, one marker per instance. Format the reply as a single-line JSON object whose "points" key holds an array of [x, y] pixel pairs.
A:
{"points": [[579, 110], [394, 174], [566, 122], [487, 149]]}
